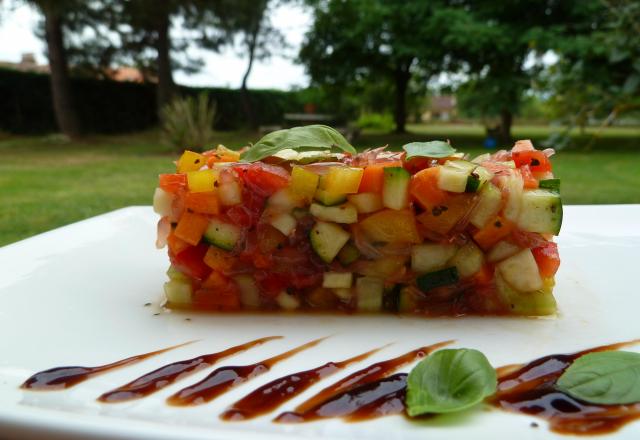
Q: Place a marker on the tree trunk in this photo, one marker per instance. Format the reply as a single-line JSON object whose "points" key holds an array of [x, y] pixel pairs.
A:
{"points": [[63, 106], [246, 98], [506, 120], [402, 77], [166, 87]]}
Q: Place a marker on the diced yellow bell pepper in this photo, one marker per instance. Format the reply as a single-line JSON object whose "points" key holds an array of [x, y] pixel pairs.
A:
{"points": [[343, 180], [201, 181], [304, 183], [191, 161]]}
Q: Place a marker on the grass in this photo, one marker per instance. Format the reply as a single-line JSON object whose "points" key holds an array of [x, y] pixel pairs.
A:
{"points": [[46, 183]]}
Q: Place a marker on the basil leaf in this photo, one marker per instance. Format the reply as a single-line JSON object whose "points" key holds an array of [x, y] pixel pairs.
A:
{"points": [[449, 380], [436, 149], [308, 136], [607, 377]]}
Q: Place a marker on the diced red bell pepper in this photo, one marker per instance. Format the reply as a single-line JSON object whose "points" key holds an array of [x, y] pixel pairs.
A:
{"points": [[191, 261], [547, 258], [537, 160], [263, 179]]}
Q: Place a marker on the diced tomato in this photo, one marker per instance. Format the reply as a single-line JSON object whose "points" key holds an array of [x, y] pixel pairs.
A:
{"points": [[417, 164], [191, 261], [547, 258], [263, 179], [202, 202], [271, 283], [424, 188], [173, 182], [494, 231], [302, 281], [525, 239], [373, 177], [530, 182], [248, 212], [227, 298], [537, 160]]}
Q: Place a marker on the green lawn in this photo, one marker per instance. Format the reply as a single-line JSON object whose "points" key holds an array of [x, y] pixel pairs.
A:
{"points": [[46, 183]]}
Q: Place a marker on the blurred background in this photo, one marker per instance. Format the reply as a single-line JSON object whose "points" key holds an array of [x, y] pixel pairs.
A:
{"points": [[98, 96]]}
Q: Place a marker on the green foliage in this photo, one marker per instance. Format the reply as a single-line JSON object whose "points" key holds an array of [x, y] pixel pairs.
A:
{"points": [[375, 121], [188, 122]]}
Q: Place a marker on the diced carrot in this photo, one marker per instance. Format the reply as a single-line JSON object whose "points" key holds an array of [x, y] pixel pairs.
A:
{"points": [[202, 202], [221, 154], [493, 232], [191, 227], [218, 259], [173, 182], [424, 188], [373, 177], [176, 245]]}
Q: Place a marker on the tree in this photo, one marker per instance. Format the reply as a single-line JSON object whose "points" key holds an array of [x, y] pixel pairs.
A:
{"points": [[370, 40]]}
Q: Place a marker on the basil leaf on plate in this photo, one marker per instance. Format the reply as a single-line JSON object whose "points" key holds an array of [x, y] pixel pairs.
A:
{"points": [[435, 149], [607, 377], [308, 136], [448, 381]]}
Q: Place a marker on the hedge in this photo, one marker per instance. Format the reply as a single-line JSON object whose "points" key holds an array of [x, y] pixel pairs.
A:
{"points": [[110, 107]]}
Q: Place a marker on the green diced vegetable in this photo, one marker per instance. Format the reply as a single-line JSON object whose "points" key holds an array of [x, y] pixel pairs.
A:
{"points": [[329, 199], [284, 223], [541, 211], [221, 234], [287, 301], [345, 213], [550, 184], [327, 239], [538, 303], [369, 292], [348, 254], [428, 257], [178, 292], [468, 260], [337, 280], [489, 204], [521, 271], [249, 292], [439, 278], [395, 190], [366, 203]]}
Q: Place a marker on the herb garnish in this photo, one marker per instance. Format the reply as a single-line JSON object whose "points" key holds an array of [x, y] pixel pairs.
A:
{"points": [[435, 149]]}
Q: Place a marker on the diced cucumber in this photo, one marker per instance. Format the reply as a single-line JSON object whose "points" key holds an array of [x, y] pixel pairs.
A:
{"points": [[221, 234], [438, 278], [328, 198], [230, 193], [343, 180], [541, 211], [538, 303], [463, 165], [482, 158], [327, 239], [284, 200], [369, 291], [287, 301], [521, 271], [395, 190], [468, 260], [348, 254], [477, 179], [431, 256], [406, 301], [284, 223], [249, 291], [501, 250], [550, 184], [343, 295], [488, 206], [175, 274], [337, 280], [345, 213], [513, 186], [366, 203], [178, 292], [162, 202], [453, 179]]}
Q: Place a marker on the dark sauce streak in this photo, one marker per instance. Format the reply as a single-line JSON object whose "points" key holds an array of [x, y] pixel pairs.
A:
{"points": [[168, 374], [273, 394], [60, 378], [530, 389], [225, 378], [345, 396]]}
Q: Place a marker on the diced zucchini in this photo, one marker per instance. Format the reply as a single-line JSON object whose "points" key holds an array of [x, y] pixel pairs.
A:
{"points": [[287, 301], [541, 211], [345, 213], [369, 291], [513, 186], [468, 260], [489, 204], [482, 158], [366, 203], [343, 294], [178, 292], [453, 179], [284, 200], [175, 274], [538, 303], [327, 239], [284, 223], [431, 256], [477, 179], [249, 291], [337, 280], [463, 165], [230, 193], [343, 180], [521, 271], [395, 190], [328, 198], [501, 250], [221, 234], [303, 183], [550, 184], [162, 202], [348, 254], [438, 278], [406, 301]]}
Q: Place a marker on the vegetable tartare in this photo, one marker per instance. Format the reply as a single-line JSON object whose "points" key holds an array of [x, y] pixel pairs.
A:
{"points": [[291, 224]]}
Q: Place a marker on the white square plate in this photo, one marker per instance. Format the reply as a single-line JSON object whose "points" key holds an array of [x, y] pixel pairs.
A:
{"points": [[76, 295]]}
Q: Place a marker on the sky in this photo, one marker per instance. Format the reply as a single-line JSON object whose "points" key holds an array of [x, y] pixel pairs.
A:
{"points": [[223, 69]]}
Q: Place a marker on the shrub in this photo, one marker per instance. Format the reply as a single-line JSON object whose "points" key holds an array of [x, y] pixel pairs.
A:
{"points": [[376, 121], [188, 122]]}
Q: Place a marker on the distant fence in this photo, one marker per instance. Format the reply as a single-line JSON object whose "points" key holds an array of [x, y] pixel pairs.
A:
{"points": [[113, 107]]}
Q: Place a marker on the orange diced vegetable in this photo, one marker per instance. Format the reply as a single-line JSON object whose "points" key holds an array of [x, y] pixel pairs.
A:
{"points": [[190, 161], [176, 245], [228, 299], [191, 227], [443, 216], [391, 226], [218, 259], [173, 182], [373, 177], [221, 154], [529, 181], [202, 202], [493, 232], [424, 188]]}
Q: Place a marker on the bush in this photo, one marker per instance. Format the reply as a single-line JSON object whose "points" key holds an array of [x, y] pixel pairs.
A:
{"points": [[377, 121], [188, 122]]}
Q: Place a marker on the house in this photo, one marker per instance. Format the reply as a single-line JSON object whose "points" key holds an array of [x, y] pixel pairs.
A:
{"points": [[441, 108]]}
